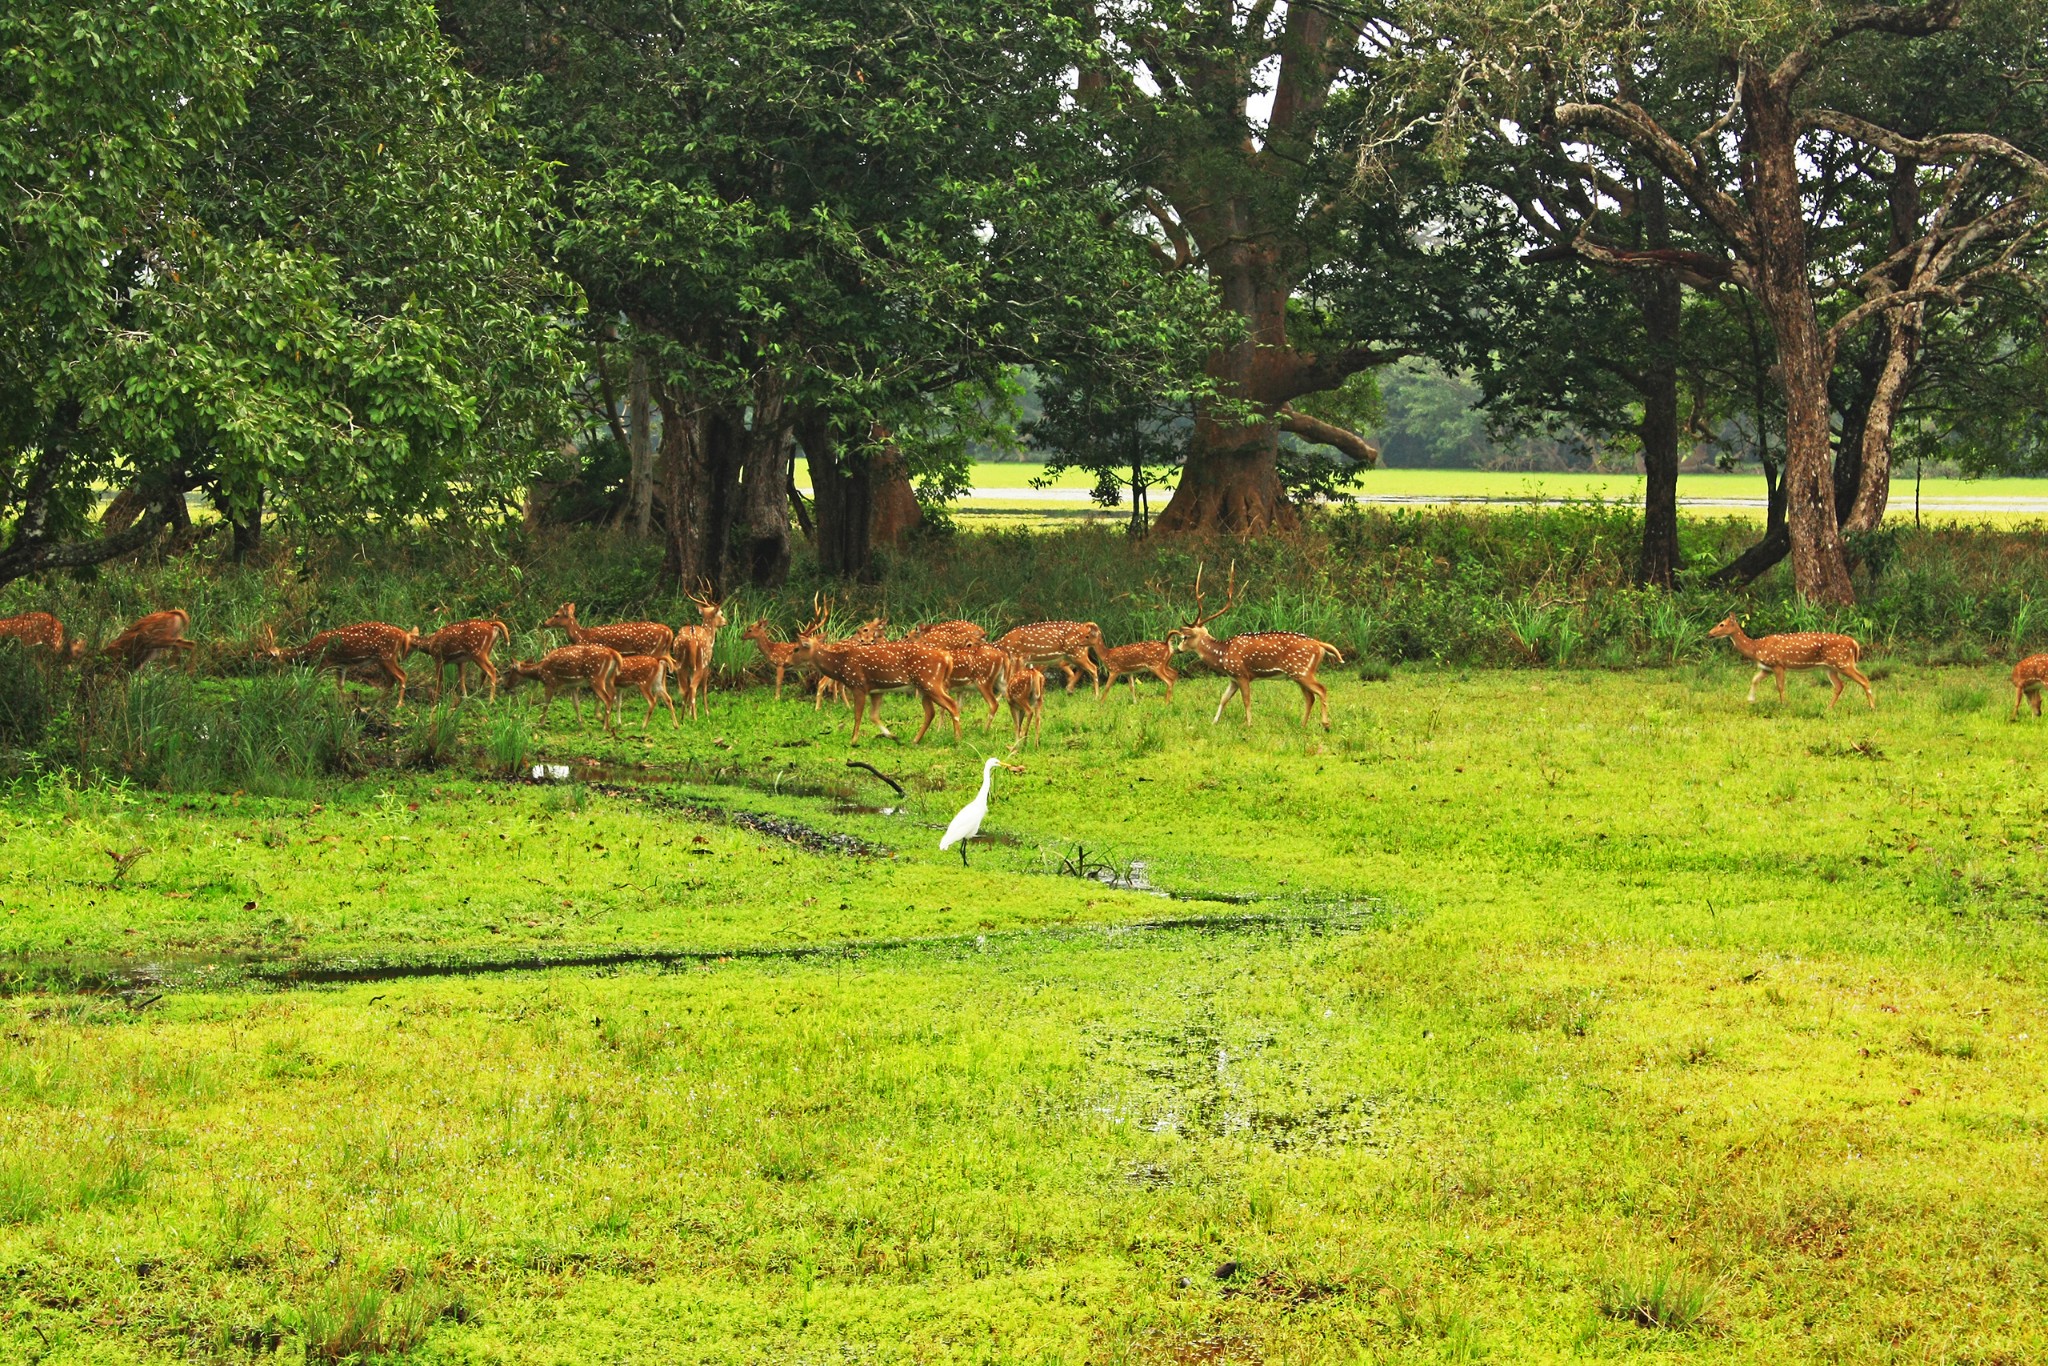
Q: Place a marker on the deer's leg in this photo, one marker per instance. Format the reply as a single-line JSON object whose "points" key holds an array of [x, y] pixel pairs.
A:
{"points": [[1869, 693], [929, 708], [1755, 679], [860, 703], [2034, 696], [2017, 690], [778, 682], [1244, 691], [1835, 677], [490, 672], [1228, 689], [1779, 674]]}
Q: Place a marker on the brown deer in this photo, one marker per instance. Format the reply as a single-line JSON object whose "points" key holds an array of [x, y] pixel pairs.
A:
{"points": [[948, 635], [575, 667], [866, 671], [42, 631], [626, 637], [694, 645], [776, 652], [1065, 643], [156, 636], [1155, 656], [1027, 701], [462, 644], [873, 631], [346, 648], [1257, 654], [2027, 678], [982, 665], [648, 673], [1798, 650]]}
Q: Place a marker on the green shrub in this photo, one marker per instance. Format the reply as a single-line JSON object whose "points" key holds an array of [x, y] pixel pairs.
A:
{"points": [[1664, 1295]]}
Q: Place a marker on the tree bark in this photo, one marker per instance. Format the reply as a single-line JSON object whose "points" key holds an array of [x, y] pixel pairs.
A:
{"points": [[1231, 479], [842, 496], [248, 530], [764, 491], [696, 472], [1661, 302], [894, 512], [640, 448], [1874, 478], [1820, 572]]}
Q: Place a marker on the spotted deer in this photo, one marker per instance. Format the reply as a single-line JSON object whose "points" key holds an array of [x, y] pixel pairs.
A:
{"points": [[776, 652], [1257, 654], [575, 667], [157, 636], [346, 648], [1026, 690], [948, 635], [2027, 678], [694, 645], [462, 644], [873, 631], [650, 674], [1155, 656], [1065, 643], [982, 665], [866, 671], [626, 637], [1775, 655], [42, 631]]}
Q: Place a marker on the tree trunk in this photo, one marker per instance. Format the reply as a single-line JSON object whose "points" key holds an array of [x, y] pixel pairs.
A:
{"points": [[696, 473], [894, 511], [248, 530], [1231, 479], [1661, 304], [640, 447], [1874, 478], [1820, 573], [842, 495]]}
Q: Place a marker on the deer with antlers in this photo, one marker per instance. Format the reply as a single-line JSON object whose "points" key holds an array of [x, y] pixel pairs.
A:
{"points": [[575, 667], [650, 674], [626, 637], [1065, 643], [866, 671], [1257, 654], [694, 645], [1026, 691], [42, 631], [159, 635], [1153, 656], [462, 644], [347, 648], [1775, 655]]}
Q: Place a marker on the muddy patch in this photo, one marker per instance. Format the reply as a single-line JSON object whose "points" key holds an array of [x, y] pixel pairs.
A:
{"points": [[759, 822]]}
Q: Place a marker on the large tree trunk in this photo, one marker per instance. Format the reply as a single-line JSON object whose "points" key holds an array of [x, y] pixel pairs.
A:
{"points": [[1661, 305], [764, 490], [894, 512], [843, 497], [696, 476], [1231, 479], [1874, 478], [1820, 573]]}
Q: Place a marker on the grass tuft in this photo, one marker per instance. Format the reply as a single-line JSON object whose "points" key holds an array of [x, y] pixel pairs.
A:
{"points": [[1665, 1296]]}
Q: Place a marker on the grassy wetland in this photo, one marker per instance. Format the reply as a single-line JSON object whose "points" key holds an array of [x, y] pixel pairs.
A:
{"points": [[1549, 1013]]}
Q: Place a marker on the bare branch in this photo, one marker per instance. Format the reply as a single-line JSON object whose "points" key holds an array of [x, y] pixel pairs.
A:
{"points": [[1634, 126], [1329, 434], [1941, 147]]}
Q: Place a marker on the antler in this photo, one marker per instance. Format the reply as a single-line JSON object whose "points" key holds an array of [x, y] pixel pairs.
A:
{"points": [[821, 612], [1229, 598], [702, 597]]}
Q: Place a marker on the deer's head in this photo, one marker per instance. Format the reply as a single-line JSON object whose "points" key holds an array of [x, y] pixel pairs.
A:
{"points": [[1728, 626], [565, 616], [1196, 632]]}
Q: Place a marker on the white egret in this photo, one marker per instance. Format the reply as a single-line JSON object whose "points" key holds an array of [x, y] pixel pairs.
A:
{"points": [[967, 824]]}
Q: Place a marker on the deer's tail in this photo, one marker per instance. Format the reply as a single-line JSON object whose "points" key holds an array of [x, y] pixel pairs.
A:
{"points": [[1333, 652], [503, 630]]}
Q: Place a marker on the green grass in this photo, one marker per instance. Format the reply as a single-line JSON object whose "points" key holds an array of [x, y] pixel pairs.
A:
{"points": [[1577, 1015]]}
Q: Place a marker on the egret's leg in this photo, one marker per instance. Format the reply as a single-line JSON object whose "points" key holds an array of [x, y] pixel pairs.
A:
{"points": [[963, 853]]}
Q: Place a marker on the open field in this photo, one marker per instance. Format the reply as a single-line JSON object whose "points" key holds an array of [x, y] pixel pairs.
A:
{"points": [[1553, 1015]]}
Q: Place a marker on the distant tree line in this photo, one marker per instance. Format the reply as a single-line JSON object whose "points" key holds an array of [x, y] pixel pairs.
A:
{"points": [[633, 260]]}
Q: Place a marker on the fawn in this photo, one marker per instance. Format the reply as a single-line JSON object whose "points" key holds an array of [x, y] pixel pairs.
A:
{"points": [[462, 644], [1027, 701], [1798, 650], [1257, 654], [575, 667], [155, 636], [648, 673], [2027, 678], [1154, 656], [41, 631], [777, 652]]}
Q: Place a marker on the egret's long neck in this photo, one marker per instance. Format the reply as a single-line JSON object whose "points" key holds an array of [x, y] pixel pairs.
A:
{"points": [[988, 776]]}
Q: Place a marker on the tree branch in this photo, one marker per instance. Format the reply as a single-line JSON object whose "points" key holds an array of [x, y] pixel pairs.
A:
{"points": [[1329, 434], [1634, 126], [1941, 147], [1906, 21]]}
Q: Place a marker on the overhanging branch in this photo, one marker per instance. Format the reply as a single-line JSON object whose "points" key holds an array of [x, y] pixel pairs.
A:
{"points": [[1329, 434]]}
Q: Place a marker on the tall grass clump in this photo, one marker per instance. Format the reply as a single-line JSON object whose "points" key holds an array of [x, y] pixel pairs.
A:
{"points": [[511, 740], [272, 734], [365, 1316], [1664, 1295], [26, 702]]}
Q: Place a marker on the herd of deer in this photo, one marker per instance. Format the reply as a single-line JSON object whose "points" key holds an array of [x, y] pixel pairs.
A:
{"points": [[926, 661]]}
